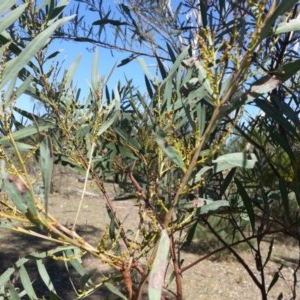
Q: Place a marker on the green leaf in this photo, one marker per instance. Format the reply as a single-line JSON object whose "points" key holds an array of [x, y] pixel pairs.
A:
{"points": [[162, 69], [16, 64], [276, 115], [280, 10], [285, 199], [109, 21], [289, 69], [14, 192], [5, 5], [176, 65], [227, 181], [46, 163], [12, 16], [13, 295], [247, 203], [108, 123], [200, 173], [213, 206], [69, 75], [129, 140], [262, 86], [170, 151], [232, 160], [27, 284], [114, 290], [171, 53], [25, 132], [291, 25], [157, 274], [45, 276], [191, 234], [145, 68]]}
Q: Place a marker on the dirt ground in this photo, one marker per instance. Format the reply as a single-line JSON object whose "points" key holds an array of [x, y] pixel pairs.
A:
{"points": [[210, 279]]}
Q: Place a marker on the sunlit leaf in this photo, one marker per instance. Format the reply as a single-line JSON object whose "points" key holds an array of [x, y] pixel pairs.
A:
{"points": [[232, 160], [46, 163], [26, 282], [157, 274], [171, 152]]}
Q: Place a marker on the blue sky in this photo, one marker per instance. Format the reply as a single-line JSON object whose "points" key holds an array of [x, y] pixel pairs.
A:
{"points": [[71, 50]]}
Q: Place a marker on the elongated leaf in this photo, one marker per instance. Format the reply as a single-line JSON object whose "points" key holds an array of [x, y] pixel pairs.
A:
{"points": [[291, 25], [157, 274], [131, 142], [176, 65], [269, 252], [171, 53], [126, 60], [5, 5], [46, 162], [285, 199], [45, 276], [5, 277], [26, 282], [191, 234], [289, 69], [114, 290], [18, 193], [162, 69], [227, 181], [279, 10], [108, 123], [109, 21], [149, 87], [145, 68], [247, 203], [276, 115], [275, 279], [232, 160], [11, 17], [16, 64], [25, 132], [170, 151], [213, 206], [13, 295], [69, 75], [200, 173]]}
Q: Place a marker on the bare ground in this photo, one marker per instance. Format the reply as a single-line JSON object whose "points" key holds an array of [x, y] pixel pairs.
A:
{"points": [[210, 279]]}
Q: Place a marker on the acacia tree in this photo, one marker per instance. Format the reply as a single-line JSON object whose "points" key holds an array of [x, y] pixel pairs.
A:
{"points": [[208, 71]]}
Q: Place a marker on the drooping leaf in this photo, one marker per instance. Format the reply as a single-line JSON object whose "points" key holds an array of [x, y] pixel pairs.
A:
{"points": [[276, 115], [275, 279], [46, 163], [26, 282], [157, 274], [228, 179], [170, 151], [247, 202], [45, 276]]}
